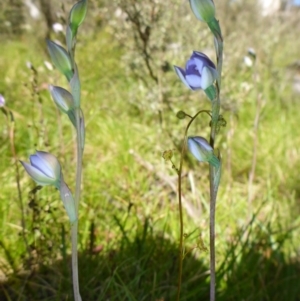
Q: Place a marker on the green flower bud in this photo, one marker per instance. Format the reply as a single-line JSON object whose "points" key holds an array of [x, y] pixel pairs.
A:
{"points": [[77, 15], [44, 169], [62, 98], [60, 59], [202, 151], [181, 115], [204, 10]]}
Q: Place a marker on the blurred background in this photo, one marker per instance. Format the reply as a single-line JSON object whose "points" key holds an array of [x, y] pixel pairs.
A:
{"points": [[129, 227]]}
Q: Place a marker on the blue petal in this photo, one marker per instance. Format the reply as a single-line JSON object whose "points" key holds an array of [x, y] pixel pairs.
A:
{"points": [[191, 68], [202, 142], [194, 81], [204, 58], [46, 163], [181, 74], [39, 164], [197, 63], [207, 78], [200, 148], [37, 175], [196, 150]]}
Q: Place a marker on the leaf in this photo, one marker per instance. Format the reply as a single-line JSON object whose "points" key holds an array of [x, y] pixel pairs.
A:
{"points": [[68, 201]]}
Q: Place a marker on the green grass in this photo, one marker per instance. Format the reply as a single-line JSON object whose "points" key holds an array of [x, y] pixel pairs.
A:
{"points": [[129, 228]]}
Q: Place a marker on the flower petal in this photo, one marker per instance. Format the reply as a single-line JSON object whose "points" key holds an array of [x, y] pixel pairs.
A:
{"points": [[197, 55], [39, 177], [200, 148], [194, 81], [2, 101], [203, 142], [50, 165], [207, 78], [181, 74], [196, 150]]}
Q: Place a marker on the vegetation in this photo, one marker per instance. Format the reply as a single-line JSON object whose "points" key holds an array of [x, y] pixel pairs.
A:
{"points": [[128, 227]]}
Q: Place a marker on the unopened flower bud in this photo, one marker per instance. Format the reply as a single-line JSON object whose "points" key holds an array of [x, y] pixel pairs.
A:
{"points": [[204, 10], [202, 151], [61, 59], [62, 98], [44, 169], [77, 15], [181, 114]]}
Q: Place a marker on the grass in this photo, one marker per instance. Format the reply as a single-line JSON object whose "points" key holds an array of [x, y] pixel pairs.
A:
{"points": [[128, 214]]}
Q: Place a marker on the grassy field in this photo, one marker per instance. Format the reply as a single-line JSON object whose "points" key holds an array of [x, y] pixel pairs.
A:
{"points": [[129, 228]]}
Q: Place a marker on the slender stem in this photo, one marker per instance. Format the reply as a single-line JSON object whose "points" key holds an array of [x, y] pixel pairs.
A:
{"points": [[75, 262], [77, 197], [180, 200], [79, 160], [213, 197], [213, 189]]}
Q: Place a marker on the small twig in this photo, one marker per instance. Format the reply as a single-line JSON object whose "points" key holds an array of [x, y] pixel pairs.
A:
{"points": [[142, 35]]}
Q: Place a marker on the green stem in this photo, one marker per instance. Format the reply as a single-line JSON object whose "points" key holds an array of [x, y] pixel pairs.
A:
{"points": [[213, 197], [213, 189], [77, 197], [75, 262], [180, 200]]}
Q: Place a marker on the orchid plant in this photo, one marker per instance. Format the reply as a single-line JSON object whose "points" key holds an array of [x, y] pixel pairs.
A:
{"points": [[200, 73], [44, 168]]}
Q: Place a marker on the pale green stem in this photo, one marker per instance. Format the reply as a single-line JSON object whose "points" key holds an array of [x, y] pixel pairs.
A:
{"points": [[213, 190], [77, 197], [75, 262]]}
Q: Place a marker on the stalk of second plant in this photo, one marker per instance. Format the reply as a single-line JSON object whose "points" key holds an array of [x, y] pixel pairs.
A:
{"points": [[200, 73], [214, 182]]}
